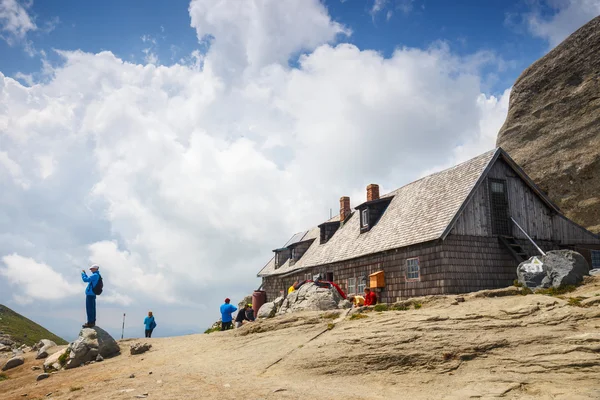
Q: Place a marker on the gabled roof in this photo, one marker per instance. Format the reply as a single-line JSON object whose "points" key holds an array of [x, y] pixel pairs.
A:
{"points": [[420, 211]]}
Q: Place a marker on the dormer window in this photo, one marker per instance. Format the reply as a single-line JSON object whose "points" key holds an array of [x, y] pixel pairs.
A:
{"points": [[297, 250], [371, 211], [281, 256], [364, 218], [327, 230]]}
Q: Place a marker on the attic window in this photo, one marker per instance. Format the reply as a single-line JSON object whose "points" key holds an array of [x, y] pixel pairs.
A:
{"points": [[371, 212], [327, 230], [364, 218]]}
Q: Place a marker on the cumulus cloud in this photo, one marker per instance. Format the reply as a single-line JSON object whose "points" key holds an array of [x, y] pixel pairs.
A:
{"points": [[35, 281], [178, 180], [566, 17], [15, 21]]}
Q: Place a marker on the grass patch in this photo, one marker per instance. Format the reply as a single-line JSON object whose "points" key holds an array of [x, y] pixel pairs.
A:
{"points": [[380, 307], [400, 307], [552, 291], [24, 330], [330, 315], [330, 326], [211, 330], [3, 377], [517, 283], [62, 359], [417, 305], [357, 316], [75, 388], [576, 301], [525, 291]]}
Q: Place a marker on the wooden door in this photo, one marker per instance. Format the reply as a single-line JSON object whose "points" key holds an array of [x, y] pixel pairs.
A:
{"points": [[499, 207]]}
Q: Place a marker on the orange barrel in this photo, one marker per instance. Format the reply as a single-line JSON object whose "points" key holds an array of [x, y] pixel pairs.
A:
{"points": [[259, 297]]}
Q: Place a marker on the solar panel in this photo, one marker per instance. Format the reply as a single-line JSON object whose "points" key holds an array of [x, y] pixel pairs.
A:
{"points": [[296, 238]]}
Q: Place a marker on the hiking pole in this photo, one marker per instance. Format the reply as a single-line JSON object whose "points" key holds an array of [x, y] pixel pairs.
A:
{"points": [[123, 329]]}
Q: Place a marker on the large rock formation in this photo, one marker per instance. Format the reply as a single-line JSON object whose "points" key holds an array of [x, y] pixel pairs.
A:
{"points": [[553, 124], [557, 268], [310, 297]]}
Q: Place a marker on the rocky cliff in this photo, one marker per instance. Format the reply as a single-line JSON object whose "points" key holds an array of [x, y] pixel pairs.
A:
{"points": [[553, 124]]}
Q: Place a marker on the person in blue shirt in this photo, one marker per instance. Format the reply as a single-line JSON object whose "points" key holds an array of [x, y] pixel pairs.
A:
{"points": [[90, 296], [150, 324], [226, 311]]}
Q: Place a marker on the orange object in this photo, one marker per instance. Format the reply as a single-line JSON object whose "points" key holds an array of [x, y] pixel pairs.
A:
{"points": [[377, 280]]}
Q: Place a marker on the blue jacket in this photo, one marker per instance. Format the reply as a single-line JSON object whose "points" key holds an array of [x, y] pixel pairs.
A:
{"points": [[226, 311], [149, 322], [93, 280]]}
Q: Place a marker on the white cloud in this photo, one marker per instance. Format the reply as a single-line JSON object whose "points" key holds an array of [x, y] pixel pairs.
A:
{"points": [[15, 21], [35, 281], [567, 17], [179, 180]]}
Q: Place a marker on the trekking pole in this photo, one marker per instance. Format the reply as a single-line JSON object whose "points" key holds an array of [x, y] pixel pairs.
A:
{"points": [[123, 329]]}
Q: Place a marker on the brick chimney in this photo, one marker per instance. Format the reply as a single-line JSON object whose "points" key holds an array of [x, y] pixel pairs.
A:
{"points": [[372, 192], [345, 209]]}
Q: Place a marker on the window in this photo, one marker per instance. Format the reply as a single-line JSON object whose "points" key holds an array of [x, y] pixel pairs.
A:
{"points": [[307, 276], [352, 285], [412, 269], [364, 217], [294, 253], [595, 258], [362, 284], [329, 276]]}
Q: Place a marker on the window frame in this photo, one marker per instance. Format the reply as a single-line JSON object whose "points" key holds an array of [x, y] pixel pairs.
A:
{"points": [[595, 257], [351, 287], [364, 218], [361, 282], [407, 273]]}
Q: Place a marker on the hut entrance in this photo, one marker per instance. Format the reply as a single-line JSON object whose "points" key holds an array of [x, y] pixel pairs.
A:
{"points": [[499, 207]]}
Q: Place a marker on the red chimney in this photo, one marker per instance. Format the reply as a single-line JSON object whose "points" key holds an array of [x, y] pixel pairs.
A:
{"points": [[344, 208], [372, 192]]}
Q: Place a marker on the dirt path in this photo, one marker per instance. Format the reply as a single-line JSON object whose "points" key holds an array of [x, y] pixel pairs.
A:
{"points": [[517, 347]]}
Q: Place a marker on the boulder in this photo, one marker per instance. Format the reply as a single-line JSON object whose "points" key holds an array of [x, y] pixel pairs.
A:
{"points": [[13, 362], [278, 302], [4, 347], [43, 348], [311, 297], [139, 348], [344, 304], [53, 362], [267, 310], [42, 376], [90, 343], [558, 268]]}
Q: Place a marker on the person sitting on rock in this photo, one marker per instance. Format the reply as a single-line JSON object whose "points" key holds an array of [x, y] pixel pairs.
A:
{"points": [[226, 311], [150, 324], [292, 288], [241, 317], [90, 296], [370, 297], [250, 313], [357, 300]]}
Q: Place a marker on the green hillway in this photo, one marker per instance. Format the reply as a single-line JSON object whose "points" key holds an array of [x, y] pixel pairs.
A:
{"points": [[23, 330]]}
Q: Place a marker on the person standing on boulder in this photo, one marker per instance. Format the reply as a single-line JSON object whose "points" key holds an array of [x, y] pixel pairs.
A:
{"points": [[90, 294], [226, 311], [150, 324]]}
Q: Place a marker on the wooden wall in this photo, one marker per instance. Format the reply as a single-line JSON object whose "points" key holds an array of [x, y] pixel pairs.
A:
{"points": [[525, 206]]}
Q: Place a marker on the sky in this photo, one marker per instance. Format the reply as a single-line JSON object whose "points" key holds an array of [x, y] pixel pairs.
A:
{"points": [[176, 143]]}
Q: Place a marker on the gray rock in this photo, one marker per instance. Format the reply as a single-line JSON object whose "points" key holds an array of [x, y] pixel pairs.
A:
{"points": [[246, 300], [99, 358], [310, 297], [267, 310], [344, 304], [139, 348], [42, 376], [4, 348], [560, 268], [278, 302], [91, 343], [52, 363], [13, 362], [107, 345], [43, 347]]}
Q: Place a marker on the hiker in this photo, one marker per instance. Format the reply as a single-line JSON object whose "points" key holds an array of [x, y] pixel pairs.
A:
{"points": [[226, 311], [370, 297], [241, 317], [250, 313], [150, 324], [93, 288], [292, 288], [357, 300]]}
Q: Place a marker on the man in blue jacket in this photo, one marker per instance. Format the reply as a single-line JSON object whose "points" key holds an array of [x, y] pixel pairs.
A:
{"points": [[226, 318], [90, 296]]}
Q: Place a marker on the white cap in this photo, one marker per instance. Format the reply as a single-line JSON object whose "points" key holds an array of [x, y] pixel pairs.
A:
{"points": [[94, 266]]}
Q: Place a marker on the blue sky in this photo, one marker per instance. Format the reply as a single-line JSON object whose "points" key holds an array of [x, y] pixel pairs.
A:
{"points": [[128, 28], [179, 163]]}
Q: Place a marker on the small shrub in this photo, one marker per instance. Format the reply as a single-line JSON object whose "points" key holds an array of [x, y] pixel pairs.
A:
{"points": [[417, 305], [517, 283], [330, 326], [62, 359], [525, 291], [75, 388], [211, 330], [380, 307], [576, 301], [400, 307], [552, 291], [3, 377], [357, 316]]}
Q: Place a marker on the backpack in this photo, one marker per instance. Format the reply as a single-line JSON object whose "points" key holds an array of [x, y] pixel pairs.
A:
{"points": [[99, 286]]}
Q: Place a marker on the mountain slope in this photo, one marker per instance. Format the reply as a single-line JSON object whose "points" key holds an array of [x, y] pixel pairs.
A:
{"points": [[553, 125], [23, 330]]}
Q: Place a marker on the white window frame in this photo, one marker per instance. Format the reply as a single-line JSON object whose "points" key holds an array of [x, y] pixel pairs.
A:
{"points": [[361, 284], [352, 285], [364, 214], [413, 274], [595, 258], [307, 276]]}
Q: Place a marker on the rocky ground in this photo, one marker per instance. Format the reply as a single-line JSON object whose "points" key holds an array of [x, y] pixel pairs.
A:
{"points": [[514, 347]]}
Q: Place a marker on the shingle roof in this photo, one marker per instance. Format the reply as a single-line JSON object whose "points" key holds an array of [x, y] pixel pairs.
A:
{"points": [[419, 212]]}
